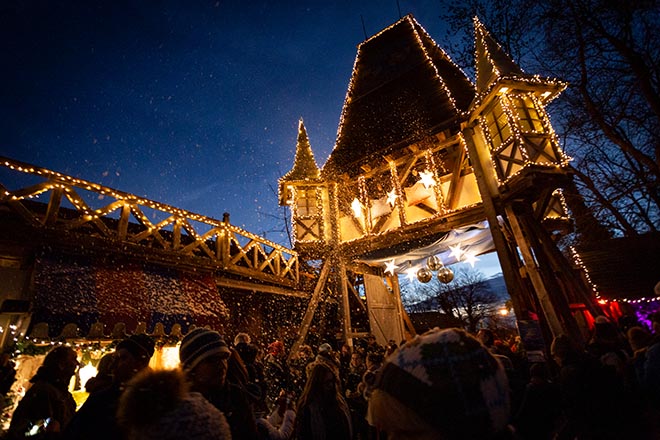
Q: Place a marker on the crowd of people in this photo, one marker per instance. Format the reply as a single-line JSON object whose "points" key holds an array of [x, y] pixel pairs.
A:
{"points": [[443, 384]]}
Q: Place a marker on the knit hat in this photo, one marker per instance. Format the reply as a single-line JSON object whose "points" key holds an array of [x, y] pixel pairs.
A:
{"points": [[201, 344], [448, 382], [141, 346], [275, 348]]}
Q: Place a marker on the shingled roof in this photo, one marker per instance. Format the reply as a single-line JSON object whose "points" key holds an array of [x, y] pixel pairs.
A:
{"points": [[403, 89]]}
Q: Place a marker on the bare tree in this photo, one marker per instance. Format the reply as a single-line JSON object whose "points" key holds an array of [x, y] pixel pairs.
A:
{"points": [[609, 117], [467, 298]]}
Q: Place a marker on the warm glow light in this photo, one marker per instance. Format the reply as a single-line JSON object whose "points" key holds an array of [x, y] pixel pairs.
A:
{"points": [[391, 197], [457, 252], [86, 373], [170, 357], [356, 206], [503, 312], [426, 177], [390, 267]]}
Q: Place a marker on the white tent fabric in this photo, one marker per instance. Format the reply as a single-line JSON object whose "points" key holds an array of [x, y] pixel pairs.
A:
{"points": [[473, 239]]}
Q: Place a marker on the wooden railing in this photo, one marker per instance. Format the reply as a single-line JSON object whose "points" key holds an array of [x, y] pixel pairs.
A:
{"points": [[61, 203]]}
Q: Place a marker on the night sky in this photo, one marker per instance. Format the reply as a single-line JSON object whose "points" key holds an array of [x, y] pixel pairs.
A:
{"points": [[194, 104]]}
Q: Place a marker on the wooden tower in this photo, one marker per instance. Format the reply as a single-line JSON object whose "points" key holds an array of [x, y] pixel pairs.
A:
{"points": [[422, 152]]}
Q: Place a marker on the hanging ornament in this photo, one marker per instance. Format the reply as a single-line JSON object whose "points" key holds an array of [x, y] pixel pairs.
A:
{"points": [[445, 275], [424, 275], [434, 263]]}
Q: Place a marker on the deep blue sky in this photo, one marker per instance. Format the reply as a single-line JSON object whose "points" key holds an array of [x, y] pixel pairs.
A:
{"points": [[194, 104]]}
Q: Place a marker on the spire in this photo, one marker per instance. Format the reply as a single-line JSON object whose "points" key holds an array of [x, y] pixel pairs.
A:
{"points": [[304, 165], [492, 62]]}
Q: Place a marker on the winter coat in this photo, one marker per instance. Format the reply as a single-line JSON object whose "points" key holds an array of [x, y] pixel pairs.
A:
{"points": [[233, 402], [42, 401]]}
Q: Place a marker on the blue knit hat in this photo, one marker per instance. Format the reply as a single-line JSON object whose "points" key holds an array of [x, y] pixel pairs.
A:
{"points": [[201, 344], [450, 381]]}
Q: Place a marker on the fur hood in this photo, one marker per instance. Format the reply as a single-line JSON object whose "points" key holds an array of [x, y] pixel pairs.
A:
{"points": [[158, 405]]}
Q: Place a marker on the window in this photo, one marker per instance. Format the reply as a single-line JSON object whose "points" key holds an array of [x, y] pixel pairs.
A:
{"points": [[498, 126], [530, 120], [307, 203]]}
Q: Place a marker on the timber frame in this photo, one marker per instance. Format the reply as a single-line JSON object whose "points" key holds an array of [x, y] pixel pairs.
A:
{"points": [[422, 151]]}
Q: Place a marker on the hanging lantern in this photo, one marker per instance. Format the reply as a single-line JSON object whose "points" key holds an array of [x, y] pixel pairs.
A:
{"points": [[434, 263], [445, 275], [424, 275]]}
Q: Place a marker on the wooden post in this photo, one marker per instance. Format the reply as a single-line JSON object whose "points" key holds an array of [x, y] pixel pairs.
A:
{"points": [[486, 182], [345, 304], [311, 308]]}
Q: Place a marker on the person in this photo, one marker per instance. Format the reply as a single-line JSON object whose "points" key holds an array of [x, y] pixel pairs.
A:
{"points": [[298, 366], [443, 384], [104, 375], [157, 405], [322, 412], [132, 355], [276, 372], [279, 424], [47, 406], [540, 411], [203, 356], [7, 373], [593, 398]]}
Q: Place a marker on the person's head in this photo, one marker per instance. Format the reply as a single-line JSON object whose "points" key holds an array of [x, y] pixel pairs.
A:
{"points": [[58, 366], [443, 384], [203, 355], [242, 338], [486, 336], [374, 360], [638, 338], [276, 348], [655, 322], [132, 355], [357, 360], [322, 383], [564, 350]]}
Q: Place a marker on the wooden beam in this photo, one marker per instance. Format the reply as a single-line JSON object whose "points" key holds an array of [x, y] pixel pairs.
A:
{"points": [[311, 309]]}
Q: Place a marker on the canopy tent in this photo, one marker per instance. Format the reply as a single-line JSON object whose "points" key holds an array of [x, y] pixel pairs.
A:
{"points": [[473, 239], [84, 291]]}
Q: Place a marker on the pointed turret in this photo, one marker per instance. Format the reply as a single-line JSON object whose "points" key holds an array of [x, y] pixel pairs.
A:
{"points": [[304, 165], [495, 67]]}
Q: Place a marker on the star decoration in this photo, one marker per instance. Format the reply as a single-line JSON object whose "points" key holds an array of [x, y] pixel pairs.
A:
{"points": [[471, 258], [391, 197], [426, 177], [390, 267], [457, 252], [411, 273]]}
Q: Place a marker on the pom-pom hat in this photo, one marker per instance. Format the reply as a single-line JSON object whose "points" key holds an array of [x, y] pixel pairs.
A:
{"points": [[449, 382], [200, 344]]}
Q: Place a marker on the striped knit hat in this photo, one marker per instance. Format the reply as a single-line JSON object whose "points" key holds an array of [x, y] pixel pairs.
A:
{"points": [[446, 381], [201, 344]]}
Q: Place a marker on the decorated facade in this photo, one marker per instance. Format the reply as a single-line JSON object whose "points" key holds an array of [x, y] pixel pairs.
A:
{"points": [[428, 164]]}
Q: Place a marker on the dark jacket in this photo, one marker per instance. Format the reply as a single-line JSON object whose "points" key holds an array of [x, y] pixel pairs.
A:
{"points": [[42, 401], [233, 402], [97, 417]]}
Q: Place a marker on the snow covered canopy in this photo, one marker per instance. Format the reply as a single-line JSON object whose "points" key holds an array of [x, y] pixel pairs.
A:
{"points": [[85, 290], [474, 239]]}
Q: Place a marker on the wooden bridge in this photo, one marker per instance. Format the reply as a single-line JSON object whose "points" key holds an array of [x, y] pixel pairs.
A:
{"points": [[62, 213]]}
